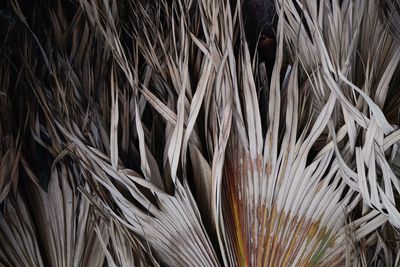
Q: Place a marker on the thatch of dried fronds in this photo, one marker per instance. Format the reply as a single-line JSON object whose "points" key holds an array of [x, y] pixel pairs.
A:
{"points": [[137, 133]]}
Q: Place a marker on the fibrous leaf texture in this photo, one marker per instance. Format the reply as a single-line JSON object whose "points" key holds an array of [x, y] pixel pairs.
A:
{"points": [[149, 133]]}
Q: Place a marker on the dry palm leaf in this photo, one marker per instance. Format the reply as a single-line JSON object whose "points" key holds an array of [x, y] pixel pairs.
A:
{"points": [[166, 155], [55, 228], [391, 13]]}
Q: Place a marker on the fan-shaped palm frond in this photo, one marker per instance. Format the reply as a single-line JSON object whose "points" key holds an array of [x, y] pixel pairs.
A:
{"points": [[53, 228], [159, 140]]}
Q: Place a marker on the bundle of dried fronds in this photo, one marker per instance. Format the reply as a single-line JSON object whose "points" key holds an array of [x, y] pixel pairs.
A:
{"points": [[137, 133]]}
